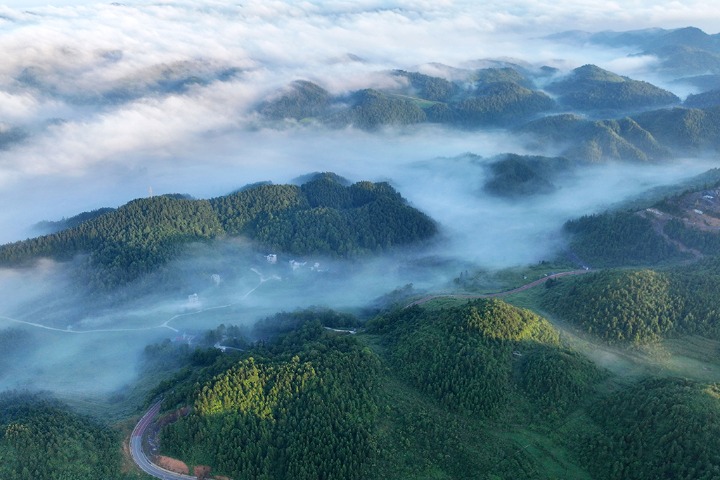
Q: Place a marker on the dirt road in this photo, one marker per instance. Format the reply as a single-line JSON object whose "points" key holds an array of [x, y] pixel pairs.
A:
{"points": [[498, 294]]}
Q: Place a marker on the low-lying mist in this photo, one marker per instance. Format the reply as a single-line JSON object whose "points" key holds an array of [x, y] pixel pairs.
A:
{"points": [[92, 343], [120, 101]]}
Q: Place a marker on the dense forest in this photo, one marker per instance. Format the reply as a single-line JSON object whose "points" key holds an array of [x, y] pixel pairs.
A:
{"points": [[641, 306], [628, 120], [476, 357], [489, 97], [322, 216], [43, 440], [659, 428], [618, 306], [304, 408], [475, 388], [313, 403], [607, 372], [588, 140], [591, 88], [429, 392], [617, 239], [516, 176]]}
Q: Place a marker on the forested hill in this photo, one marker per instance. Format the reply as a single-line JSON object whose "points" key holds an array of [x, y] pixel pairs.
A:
{"points": [[641, 306], [417, 396], [44, 440], [322, 216], [464, 391]]}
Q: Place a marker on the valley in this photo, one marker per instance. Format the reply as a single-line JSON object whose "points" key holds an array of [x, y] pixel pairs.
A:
{"points": [[368, 241]]}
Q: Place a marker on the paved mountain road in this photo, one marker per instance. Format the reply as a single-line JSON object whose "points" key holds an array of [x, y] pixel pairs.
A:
{"points": [[138, 455]]}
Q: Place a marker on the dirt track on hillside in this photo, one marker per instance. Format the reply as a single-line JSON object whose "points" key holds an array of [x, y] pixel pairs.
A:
{"points": [[497, 294]]}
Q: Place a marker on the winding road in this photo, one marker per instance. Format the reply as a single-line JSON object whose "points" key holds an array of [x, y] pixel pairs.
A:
{"points": [[497, 294], [136, 438], [138, 455], [165, 324]]}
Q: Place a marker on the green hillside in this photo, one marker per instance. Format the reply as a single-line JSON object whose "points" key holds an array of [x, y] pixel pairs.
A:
{"points": [[667, 428], [303, 410], [612, 239], [707, 99], [635, 307], [592, 88], [596, 140], [482, 390], [514, 176], [476, 357], [423, 394], [641, 306], [499, 97], [682, 129], [371, 109], [324, 217], [320, 217], [42, 440], [487, 76], [502, 103], [127, 242], [429, 88], [301, 100]]}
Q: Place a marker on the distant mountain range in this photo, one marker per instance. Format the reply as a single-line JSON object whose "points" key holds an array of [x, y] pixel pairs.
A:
{"points": [[595, 115], [681, 52], [588, 114]]}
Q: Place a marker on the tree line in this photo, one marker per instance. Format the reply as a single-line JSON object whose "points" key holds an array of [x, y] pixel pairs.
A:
{"points": [[320, 217]]}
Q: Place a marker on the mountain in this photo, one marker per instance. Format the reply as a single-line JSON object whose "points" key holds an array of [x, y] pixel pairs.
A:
{"points": [[662, 297], [700, 82], [49, 226], [649, 136], [659, 428], [683, 129], [160, 79], [590, 88], [515, 176], [707, 99], [594, 140], [416, 394], [302, 99], [324, 217], [619, 238], [45, 440], [487, 97], [502, 103], [487, 76], [425, 391], [484, 97], [427, 87], [436, 390], [370, 109], [321, 216], [682, 52]]}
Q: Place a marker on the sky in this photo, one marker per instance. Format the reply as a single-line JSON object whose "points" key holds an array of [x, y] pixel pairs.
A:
{"points": [[91, 117]]}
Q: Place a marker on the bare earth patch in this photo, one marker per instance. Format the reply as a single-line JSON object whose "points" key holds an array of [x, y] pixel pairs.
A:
{"points": [[171, 464], [202, 471]]}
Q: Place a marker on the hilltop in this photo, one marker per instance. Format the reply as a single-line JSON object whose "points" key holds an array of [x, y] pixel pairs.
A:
{"points": [[321, 216]]}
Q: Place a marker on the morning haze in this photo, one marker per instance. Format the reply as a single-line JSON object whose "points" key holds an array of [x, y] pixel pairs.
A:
{"points": [[104, 103]]}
